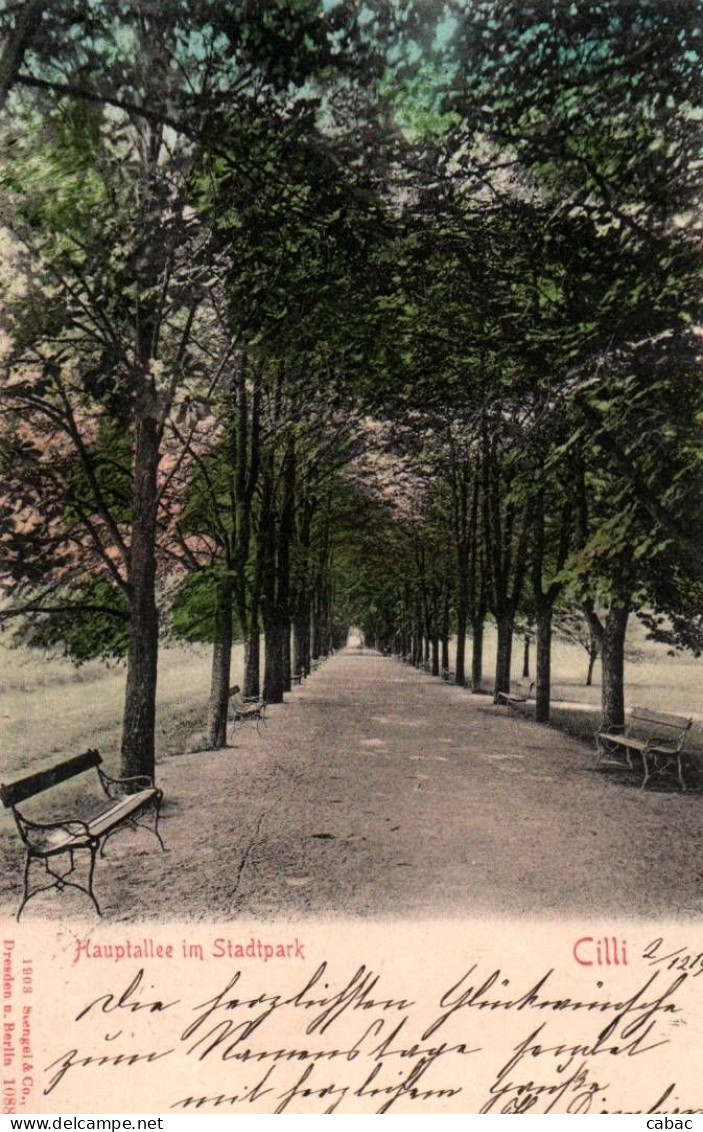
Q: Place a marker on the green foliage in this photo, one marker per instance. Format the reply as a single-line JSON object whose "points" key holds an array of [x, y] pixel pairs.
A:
{"points": [[193, 607], [92, 625], [475, 221]]}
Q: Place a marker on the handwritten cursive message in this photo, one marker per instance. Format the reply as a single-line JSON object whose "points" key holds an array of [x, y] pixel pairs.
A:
{"points": [[332, 1035]]}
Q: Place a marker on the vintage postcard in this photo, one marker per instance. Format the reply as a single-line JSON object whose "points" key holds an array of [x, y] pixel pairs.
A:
{"points": [[351, 599]]}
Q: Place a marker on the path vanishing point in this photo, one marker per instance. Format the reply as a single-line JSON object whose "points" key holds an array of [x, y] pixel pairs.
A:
{"points": [[378, 791]]}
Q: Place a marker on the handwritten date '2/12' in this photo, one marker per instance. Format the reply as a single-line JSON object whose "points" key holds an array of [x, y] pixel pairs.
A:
{"points": [[488, 1042]]}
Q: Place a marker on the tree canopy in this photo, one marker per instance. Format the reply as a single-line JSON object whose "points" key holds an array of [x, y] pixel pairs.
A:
{"points": [[329, 313]]}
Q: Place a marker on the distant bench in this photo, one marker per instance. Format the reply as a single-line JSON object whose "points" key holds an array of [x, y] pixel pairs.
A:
{"points": [[449, 676], [44, 841], [246, 709], [519, 693], [656, 736]]}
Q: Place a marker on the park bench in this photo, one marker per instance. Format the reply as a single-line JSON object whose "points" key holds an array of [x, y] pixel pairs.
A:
{"points": [[248, 709], [298, 677], [520, 692], [44, 841], [657, 736], [449, 675]]}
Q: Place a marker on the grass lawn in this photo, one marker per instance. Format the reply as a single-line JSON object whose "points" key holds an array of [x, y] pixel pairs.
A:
{"points": [[51, 709], [653, 679]]}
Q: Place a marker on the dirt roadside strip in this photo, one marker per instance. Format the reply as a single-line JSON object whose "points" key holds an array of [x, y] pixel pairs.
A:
{"points": [[378, 791]]}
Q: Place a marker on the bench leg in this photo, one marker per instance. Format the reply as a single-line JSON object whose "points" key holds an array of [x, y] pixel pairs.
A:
{"points": [[91, 874], [612, 750], [25, 885], [59, 880], [157, 816], [659, 769]]}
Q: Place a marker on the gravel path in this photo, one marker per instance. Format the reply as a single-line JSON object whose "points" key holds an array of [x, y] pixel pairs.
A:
{"points": [[377, 791]]}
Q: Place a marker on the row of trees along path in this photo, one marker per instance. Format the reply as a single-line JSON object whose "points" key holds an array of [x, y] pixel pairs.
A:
{"points": [[377, 790], [325, 314]]}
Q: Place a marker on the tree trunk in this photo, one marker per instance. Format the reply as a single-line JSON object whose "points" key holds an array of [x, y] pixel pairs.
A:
{"points": [[435, 656], [460, 662], [18, 43], [274, 680], [315, 639], [613, 662], [526, 658], [445, 630], [252, 663], [477, 655], [545, 597], [299, 646], [593, 654], [504, 656], [285, 658], [326, 638], [283, 579], [544, 662], [138, 725], [221, 665]]}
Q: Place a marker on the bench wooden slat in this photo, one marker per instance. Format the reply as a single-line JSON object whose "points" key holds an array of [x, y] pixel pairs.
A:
{"points": [[664, 719], [625, 740], [101, 824], [519, 694], [42, 780], [117, 813]]}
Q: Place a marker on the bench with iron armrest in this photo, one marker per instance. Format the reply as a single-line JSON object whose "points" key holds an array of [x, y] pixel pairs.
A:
{"points": [[298, 677], [44, 841], [449, 676], [657, 736], [248, 709], [519, 693]]}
